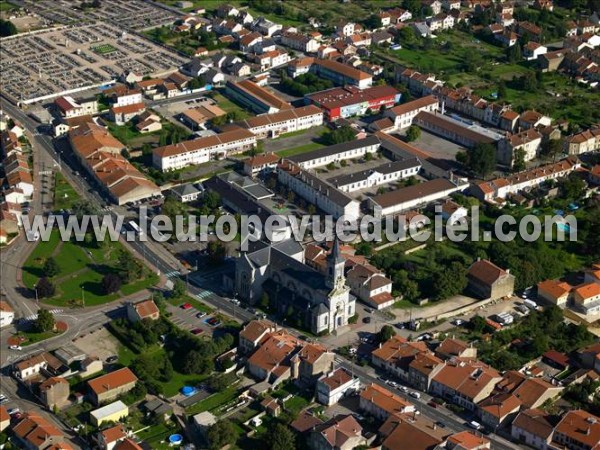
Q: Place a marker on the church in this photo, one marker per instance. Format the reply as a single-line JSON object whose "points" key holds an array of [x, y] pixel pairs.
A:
{"points": [[308, 298]]}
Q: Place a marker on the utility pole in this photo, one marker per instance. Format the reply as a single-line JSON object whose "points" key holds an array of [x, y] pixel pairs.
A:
{"points": [[83, 296]]}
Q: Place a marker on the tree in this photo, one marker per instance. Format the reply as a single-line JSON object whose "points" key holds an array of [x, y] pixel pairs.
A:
{"points": [[519, 160], [345, 133], [111, 282], [45, 288], [178, 289], [282, 438], [129, 268], [413, 133], [513, 53], [552, 148], [45, 321], [572, 187], [386, 333], [7, 28], [51, 268], [84, 207], [481, 159], [221, 434], [216, 252]]}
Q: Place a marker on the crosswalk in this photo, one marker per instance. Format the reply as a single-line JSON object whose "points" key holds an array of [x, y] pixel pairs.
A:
{"points": [[173, 274], [35, 316], [45, 172], [203, 294]]}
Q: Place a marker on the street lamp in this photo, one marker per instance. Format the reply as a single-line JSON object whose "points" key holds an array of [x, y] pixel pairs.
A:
{"points": [[37, 299], [83, 295]]}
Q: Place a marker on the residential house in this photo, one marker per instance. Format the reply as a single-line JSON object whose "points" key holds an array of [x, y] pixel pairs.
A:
{"points": [[381, 403], [33, 365], [395, 356], [34, 432], [465, 383], [370, 285], [120, 115], [578, 430], [533, 119], [468, 440], [525, 145], [534, 428], [586, 298], [338, 433], [532, 31], [551, 61], [345, 28], [498, 410], [422, 369], [332, 387], [555, 292], [507, 38], [266, 27], [534, 392], [248, 42], [108, 387], [412, 431], [148, 122], [142, 310], [109, 438], [253, 333], [68, 107], [455, 348], [300, 42], [583, 142], [486, 280], [4, 419], [54, 392], [532, 50]]}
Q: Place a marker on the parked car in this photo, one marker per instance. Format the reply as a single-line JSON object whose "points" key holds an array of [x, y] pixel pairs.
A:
{"points": [[16, 347], [112, 359], [186, 306], [197, 331], [475, 425], [415, 394], [432, 404], [200, 315], [367, 319], [213, 322]]}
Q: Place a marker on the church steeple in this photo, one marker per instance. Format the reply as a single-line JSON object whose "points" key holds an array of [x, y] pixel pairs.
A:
{"points": [[335, 266]]}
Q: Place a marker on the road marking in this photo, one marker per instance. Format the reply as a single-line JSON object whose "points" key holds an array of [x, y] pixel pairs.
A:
{"points": [[203, 294], [173, 274]]}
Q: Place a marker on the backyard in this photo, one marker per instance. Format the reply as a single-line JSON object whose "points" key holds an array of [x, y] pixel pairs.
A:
{"points": [[82, 267]]}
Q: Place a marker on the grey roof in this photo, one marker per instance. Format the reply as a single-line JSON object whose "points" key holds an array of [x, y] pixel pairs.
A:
{"points": [[185, 189], [335, 149], [258, 191], [385, 169], [328, 190], [289, 246], [157, 407]]}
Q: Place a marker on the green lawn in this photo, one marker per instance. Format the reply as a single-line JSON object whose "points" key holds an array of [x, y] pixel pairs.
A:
{"points": [[34, 337], [214, 401], [229, 106], [7, 6], [300, 149], [82, 267], [64, 194], [124, 133], [157, 436]]}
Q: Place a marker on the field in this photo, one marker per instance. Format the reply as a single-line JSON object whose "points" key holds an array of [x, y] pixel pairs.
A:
{"points": [[6, 6], [228, 106], [82, 267], [64, 194], [104, 49]]}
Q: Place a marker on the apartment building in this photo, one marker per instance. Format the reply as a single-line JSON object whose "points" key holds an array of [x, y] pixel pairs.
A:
{"points": [[318, 192], [287, 121], [395, 356], [418, 195], [403, 115], [380, 175], [578, 430], [336, 153], [381, 403], [300, 42], [528, 142], [452, 129], [202, 150], [341, 74], [534, 428], [255, 97]]}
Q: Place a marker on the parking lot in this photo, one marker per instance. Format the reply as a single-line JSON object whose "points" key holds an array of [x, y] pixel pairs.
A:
{"points": [[191, 319], [437, 147], [56, 61]]}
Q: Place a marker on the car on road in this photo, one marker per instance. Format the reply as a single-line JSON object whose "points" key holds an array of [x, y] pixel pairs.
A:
{"points": [[433, 404], [12, 411], [475, 425], [458, 322], [186, 306], [112, 359], [366, 319], [403, 389], [440, 424], [415, 394], [200, 315], [3, 399], [197, 331], [16, 347]]}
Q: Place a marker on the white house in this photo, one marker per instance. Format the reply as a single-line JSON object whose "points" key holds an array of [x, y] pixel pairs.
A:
{"points": [[7, 314], [335, 385], [403, 115]]}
